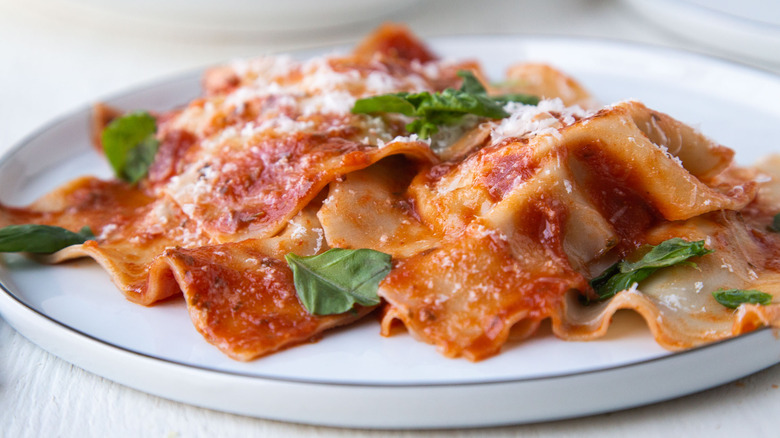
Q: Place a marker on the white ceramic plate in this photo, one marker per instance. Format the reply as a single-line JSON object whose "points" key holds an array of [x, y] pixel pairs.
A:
{"points": [[745, 28], [353, 377], [195, 18]]}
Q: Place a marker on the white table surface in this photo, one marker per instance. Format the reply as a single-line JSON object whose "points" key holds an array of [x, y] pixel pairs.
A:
{"points": [[54, 59]]}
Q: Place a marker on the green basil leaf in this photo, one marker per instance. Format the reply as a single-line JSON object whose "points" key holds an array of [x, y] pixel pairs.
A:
{"points": [[732, 298], [334, 281], [623, 275], [526, 99], [423, 128], [450, 103], [140, 158], [471, 84], [130, 145], [601, 281], [386, 103], [444, 108], [668, 253], [621, 281], [775, 224], [41, 239]]}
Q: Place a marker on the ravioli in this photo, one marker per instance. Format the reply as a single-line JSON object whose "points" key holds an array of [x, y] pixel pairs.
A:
{"points": [[493, 225]]}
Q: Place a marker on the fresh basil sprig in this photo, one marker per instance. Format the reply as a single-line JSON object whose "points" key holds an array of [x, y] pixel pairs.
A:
{"points": [[130, 145], [623, 275], [447, 107], [334, 281], [732, 298], [40, 239]]}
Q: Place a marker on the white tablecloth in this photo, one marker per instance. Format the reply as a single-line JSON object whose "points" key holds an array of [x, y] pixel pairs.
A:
{"points": [[53, 59]]}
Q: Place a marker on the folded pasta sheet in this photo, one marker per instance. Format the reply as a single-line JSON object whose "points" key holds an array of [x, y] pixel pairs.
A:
{"points": [[494, 208]]}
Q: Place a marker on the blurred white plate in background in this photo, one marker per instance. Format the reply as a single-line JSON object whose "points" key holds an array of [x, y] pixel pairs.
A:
{"points": [[746, 27], [241, 15]]}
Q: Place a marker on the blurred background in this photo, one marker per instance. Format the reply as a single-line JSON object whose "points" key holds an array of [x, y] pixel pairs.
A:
{"points": [[60, 55], [56, 55]]}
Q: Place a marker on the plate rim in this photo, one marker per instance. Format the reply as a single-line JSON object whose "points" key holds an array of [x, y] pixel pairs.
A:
{"points": [[388, 398], [746, 22], [73, 331]]}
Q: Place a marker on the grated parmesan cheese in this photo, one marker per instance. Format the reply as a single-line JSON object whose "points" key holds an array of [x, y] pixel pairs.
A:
{"points": [[320, 238], [106, 231], [335, 102], [408, 139], [298, 230], [672, 300], [546, 118]]}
